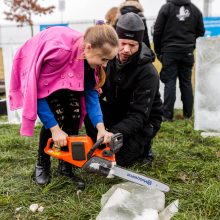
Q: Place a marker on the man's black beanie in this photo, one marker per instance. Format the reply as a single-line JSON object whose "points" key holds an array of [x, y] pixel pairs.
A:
{"points": [[130, 26]]}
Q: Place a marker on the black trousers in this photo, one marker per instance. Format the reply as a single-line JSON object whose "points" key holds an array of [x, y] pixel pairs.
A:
{"points": [[177, 65], [65, 105]]}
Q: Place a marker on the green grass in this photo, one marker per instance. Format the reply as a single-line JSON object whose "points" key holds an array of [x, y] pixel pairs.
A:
{"points": [[183, 159]]}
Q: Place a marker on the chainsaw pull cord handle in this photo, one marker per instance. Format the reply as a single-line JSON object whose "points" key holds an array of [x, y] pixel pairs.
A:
{"points": [[94, 147]]}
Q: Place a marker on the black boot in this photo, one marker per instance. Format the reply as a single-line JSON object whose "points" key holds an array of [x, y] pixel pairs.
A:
{"points": [[149, 157], [42, 170], [148, 154], [65, 169]]}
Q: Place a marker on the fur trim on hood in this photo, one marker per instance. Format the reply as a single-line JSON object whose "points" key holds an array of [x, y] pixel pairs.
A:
{"points": [[131, 3], [128, 4]]}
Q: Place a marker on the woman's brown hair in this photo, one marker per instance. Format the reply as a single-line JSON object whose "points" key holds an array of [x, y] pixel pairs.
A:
{"points": [[102, 37], [111, 16]]}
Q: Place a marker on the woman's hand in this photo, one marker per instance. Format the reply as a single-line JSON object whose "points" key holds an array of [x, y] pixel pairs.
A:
{"points": [[103, 133], [58, 136]]}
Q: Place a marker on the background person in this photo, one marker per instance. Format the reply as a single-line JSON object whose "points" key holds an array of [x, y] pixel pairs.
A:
{"points": [[130, 98], [177, 26], [136, 7], [111, 16], [50, 73]]}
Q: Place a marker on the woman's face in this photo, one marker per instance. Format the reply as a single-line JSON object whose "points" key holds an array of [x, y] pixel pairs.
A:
{"points": [[96, 57]]}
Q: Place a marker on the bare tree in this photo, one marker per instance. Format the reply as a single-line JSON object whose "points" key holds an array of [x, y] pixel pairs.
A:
{"points": [[21, 11]]}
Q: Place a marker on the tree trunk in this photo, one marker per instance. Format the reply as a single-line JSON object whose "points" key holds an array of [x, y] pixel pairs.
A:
{"points": [[32, 30], [30, 23]]}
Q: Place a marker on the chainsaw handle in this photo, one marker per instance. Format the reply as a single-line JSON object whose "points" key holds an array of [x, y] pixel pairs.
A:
{"points": [[49, 142], [95, 146]]}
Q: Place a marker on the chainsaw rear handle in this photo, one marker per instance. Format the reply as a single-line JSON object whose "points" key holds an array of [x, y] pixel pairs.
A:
{"points": [[50, 141]]}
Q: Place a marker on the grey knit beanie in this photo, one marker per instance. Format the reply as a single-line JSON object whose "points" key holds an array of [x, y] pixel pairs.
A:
{"points": [[130, 26]]}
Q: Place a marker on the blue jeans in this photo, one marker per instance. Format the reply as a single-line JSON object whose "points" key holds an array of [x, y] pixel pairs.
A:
{"points": [[177, 65]]}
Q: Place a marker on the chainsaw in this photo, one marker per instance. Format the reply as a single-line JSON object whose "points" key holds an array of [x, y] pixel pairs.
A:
{"points": [[99, 158]]}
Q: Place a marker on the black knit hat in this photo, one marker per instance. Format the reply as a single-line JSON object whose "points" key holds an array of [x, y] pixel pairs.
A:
{"points": [[130, 26]]}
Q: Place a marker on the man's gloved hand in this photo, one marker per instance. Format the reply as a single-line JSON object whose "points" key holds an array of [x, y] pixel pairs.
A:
{"points": [[153, 55], [160, 57]]}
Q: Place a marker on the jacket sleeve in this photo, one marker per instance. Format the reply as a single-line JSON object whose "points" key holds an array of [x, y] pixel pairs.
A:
{"points": [[200, 29], [156, 113], [45, 114], [146, 36], [159, 28], [141, 103]]}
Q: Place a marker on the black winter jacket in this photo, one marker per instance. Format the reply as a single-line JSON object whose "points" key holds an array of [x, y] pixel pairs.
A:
{"points": [[177, 26], [131, 101]]}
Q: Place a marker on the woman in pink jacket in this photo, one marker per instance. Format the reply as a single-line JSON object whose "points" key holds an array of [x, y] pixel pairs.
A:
{"points": [[55, 75]]}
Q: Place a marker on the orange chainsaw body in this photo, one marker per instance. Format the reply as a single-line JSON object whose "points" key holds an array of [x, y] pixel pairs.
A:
{"points": [[78, 149]]}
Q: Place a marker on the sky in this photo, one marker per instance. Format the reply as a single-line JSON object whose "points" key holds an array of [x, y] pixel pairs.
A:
{"points": [[95, 9]]}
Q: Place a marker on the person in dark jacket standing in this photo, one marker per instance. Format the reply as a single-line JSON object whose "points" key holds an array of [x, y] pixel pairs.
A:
{"points": [[178, 25], [130, 98]]}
